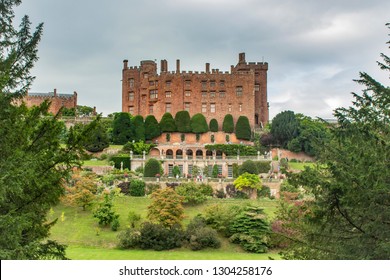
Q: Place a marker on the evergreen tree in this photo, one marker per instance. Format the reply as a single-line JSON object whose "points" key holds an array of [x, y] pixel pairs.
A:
{"points": [[33, 163], [122, 130], [167, 123], [152, 128], [183, 121], [139, 128], [152, 167], [199, 124], [97, 140], [213, 125], [228, 124], [284, 128], [243, 128]]}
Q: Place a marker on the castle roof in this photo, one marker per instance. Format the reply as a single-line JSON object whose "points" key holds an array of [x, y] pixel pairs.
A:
{"points": [[50, 94]]}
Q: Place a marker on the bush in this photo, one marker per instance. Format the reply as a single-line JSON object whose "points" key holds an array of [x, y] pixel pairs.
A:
{"points": [[152, 167], [158, 238], [152, 128], [263, 166], [176, 171], [121, 158], [206, 189], [228, 124], [192, 193], [220, 216], [129, 239], [139, 128], [265, 191], [133, 219], [202, 238], [150, 188], [213, 125], [215, 171], [248, 166], [115, 223], [104, 212], [122, 129], [137, 188], [124, 187], [199, 124], [243, 128], [232, 192], [167, 123], [183, 121]]}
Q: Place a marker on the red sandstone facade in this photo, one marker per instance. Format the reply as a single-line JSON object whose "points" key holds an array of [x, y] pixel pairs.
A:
{"points": [[242, 91], [57, 100]]}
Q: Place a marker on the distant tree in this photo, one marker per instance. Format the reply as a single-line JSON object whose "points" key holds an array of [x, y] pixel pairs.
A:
{"points": [[284, 128], [247, 180], [176, 171], [228, 124], [183, 121], [84, 111], [213, 125], [199, 124], [243, 128], [82, 191], [152, 167], [98, 139], [139, 128], [167, 123], [248, 166], [122, 130], [215, 171], [166, 208], [152, 128]]}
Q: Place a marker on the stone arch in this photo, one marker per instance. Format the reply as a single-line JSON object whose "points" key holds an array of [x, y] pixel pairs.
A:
{"points": [[179, 153], [190, 154], [169, 153], [219, 154], [154, 152], [209, 154], [199, 154]]}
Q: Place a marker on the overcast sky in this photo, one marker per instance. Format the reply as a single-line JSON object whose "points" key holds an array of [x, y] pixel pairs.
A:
{"points": [[314, 48]]}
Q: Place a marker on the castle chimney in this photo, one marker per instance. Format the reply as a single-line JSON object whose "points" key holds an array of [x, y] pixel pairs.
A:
{"points": [[55, 92], [177, 66], [231, 68], [207, 67], [241, 58], [164, 66], [125, 64]]}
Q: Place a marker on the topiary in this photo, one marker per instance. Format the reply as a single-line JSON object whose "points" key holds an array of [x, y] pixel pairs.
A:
{"points": [[243, 128], [183, 121], [199, 124], [152, 167], [152, 128], [137, 188], [167, 123], [248, 166], [228, 124], [213, 125]]}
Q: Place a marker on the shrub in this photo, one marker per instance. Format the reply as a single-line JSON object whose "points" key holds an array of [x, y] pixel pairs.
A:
{"points": [[220, 216], [215, 171], [152, 128], [228, 124], [176, 171], [121, 158], [191, 193], [168, 137], [220, 194], [97, 140], [199, 124], [263, 166], [158, 238], [129, 238], [167, 123], [150, 188], [227, 138], [248, 166], [104, 212], [137, 188], [182, 137], [133, 219], [213, 125], [152, 167], [206, 189], [124, 187], [115, 223], [243, 128], [212, 138], [232, 192], [122, 129], [139, 128], [202, 238], [265, 191], [183, 121]]}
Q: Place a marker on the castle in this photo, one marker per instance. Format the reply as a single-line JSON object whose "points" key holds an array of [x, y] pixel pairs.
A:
{"points": [[242, 91], [57, 100]]}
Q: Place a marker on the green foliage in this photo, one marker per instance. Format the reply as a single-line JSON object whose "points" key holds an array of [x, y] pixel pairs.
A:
{"points": [[247, 180], [168, 137], [104, 212], [152, 167], [167, 123], [243, 128], [97, 140], [192, 193], [284, 127], [138, 125], [122, 129], [220, 216], [150, 188], [138, 147], [129, 238], [137, 188], [206, 189], [248, 166], [183, 121], [265, 191], [119, 159], [157, 237], [199, 124], [215, 172], [182, 137], [176, 171], [213, 125], [166, 208], [81, 190], [199, 236], [152, 128], [233, 149], [133, 218], [228, 124], [263, 166], [251, 230], [348, 213]]}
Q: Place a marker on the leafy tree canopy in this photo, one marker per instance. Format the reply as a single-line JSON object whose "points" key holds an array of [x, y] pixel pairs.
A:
{"points": [[183, 121], [167, 123]]}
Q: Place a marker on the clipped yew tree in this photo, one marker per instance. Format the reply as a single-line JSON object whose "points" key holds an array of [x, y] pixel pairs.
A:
{"points": [[213, 125], [183, 121], [228, 124], [167, 123], [152, 128], [199, 124], [139, 128], [122, 131], [152, 167], [243, 128]]}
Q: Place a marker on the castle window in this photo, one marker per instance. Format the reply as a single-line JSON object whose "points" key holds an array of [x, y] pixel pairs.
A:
{"points": [[257, 87], [187, 93], [187, 106], [230, 107], [153, 93], [168, 94], [188, 83], [168, 84], [151, 109], [151, 83], [240, 107], [131, 96], [204, 108], [146, 75], [131, 83], [222, 94], [222, 83], [167, 107], [204, 84], [239, 91], [212, 108], [212, 93], [212, 83], [204, 94], [131, 110]]}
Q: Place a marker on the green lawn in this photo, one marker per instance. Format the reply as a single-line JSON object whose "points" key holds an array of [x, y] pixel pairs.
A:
{"points": [[95, 163], [87, 240], [299, 165]]}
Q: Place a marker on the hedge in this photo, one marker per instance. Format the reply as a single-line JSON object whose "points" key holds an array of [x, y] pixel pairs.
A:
{"points": [[118, 159], [213, 125]]}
